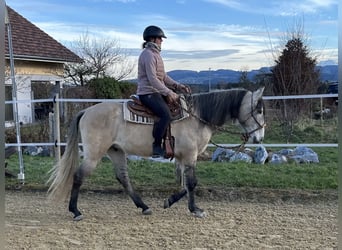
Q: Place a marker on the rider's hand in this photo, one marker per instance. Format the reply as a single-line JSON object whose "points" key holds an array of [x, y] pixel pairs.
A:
{"points": [[184, 89], [173, 97]]}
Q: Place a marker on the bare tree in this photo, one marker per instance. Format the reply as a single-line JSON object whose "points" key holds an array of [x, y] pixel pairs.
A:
{"points": [[101, 58]]}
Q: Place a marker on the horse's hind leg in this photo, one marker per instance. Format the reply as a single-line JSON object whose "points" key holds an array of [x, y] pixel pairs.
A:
{"points": [[119, 160], [84, 170]]}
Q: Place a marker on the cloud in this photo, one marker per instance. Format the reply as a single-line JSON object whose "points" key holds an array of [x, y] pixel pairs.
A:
{"points": [[238, 5], [198, 54], [196, 43], [277, 8]]}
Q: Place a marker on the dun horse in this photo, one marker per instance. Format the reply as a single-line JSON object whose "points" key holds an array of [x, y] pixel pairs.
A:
{"points": [[103, 130]]}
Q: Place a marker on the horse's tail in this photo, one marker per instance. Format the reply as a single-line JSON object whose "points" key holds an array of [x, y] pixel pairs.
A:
{"points": [[62, 173]]}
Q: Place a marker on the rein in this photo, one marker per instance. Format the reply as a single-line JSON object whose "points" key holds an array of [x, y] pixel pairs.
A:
{"points": [[244, 136]]}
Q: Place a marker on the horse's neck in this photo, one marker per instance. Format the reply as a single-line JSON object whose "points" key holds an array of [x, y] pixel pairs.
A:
{"points": [[217, 108]]}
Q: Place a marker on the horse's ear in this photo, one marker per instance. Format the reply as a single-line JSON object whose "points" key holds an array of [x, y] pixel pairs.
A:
{"points": [[258, 93]]}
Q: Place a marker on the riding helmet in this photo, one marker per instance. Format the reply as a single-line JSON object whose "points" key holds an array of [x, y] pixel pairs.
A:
{"points": [[153, 31]]}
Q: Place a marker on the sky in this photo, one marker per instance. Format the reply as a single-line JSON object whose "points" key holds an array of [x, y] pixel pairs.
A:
{"points": [[201, 34]]}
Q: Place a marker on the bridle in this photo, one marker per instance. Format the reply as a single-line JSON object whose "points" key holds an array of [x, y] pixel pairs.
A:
{"points": [[244, 136], [252, 115]]}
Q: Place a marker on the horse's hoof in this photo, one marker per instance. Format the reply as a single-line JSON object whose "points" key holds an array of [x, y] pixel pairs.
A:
{"points": [[199, 214], [147, 211], [78, 218], [166, 203]]}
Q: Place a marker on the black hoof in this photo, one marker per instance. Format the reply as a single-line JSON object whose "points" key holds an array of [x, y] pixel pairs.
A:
{"points": [[166, 203], [78, 218], [77, 214], [199, 213], [147, 211]]}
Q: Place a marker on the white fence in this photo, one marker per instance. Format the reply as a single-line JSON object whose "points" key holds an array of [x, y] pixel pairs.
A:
{"points": [[57, 143], [57, 100]]}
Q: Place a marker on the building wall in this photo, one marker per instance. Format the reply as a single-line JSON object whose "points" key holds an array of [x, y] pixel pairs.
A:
{"points": [[25, 73], [36, 68]]}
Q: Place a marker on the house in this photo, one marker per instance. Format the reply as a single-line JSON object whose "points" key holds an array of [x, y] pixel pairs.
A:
{"points": [[38, 58]]}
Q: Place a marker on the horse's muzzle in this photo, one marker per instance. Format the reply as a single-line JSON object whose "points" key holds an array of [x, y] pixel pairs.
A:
{"points": [[256, 140]]}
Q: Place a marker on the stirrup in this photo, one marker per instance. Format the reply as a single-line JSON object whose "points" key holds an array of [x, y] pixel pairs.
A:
{"points": [[157, 152]]}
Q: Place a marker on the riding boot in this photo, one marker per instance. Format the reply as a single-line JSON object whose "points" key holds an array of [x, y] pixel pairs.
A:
{"points": [[157, 151]]}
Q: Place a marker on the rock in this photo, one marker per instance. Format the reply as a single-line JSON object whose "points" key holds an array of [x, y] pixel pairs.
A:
{"points": [[239, 156], [222, 154], [275, 158], [134, 157], [285, 151], [260, 155], [37, 151], [249, 151], [45, 151], [303, 154]]}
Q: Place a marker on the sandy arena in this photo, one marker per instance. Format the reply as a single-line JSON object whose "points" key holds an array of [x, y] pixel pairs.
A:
{"points": [[113, 222]]}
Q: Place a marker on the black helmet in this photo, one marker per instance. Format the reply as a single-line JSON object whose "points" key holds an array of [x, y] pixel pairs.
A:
{"points": [[153, 31]]}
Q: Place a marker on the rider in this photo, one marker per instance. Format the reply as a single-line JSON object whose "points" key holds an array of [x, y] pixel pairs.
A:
{"points": [[155, 87]]}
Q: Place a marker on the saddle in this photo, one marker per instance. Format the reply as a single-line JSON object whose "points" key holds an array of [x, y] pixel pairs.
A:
{"points": [[136, 106]]}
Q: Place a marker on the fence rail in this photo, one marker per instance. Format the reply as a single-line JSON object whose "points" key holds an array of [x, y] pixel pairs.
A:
{"points": [[57, 100], [122, 100], [57, 143]]}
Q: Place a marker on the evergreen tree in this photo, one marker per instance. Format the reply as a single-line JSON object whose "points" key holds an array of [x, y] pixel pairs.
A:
{"points": [[295, 73]]}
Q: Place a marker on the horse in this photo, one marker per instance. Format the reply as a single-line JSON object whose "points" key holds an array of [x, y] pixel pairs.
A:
{"points": [[104, 131]]}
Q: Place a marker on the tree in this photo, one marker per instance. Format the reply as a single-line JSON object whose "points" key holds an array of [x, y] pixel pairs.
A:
{"points": [[101, 58], [244, 76], [110, 88], [244, 81], [295, 73]]}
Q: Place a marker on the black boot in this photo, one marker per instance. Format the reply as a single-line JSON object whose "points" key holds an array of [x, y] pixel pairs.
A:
{"points": [[157, 151]]}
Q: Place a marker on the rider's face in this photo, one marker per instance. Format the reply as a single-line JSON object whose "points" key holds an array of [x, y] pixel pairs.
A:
{"points": [[159, 41]]}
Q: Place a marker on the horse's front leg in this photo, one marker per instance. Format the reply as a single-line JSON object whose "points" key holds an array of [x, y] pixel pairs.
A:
{"points": [[174, 198], [190, 184], [180, 179]]}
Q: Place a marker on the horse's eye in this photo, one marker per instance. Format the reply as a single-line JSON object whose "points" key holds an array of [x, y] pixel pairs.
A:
{"points": [[260, 107]]}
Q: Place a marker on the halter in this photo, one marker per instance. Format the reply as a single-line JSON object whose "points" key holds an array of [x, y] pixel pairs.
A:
{"points": [[244, 136]]}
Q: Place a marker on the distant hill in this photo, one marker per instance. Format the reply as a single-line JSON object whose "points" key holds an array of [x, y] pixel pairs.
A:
{"points": [[328, 73]]}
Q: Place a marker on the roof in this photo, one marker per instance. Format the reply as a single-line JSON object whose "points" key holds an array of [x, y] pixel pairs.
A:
{"points": [[31, 43]]}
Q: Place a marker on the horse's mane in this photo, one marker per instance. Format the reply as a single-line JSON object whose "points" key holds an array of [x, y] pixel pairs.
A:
{"points": [[216, 107]]}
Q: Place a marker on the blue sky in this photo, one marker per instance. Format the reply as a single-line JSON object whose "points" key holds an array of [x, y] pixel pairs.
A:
{"points": [[202, 34]]}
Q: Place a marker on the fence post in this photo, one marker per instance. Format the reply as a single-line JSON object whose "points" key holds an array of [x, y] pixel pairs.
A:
{"points": [[2, 121], [51, 132], [57, 134], [321, 111]]}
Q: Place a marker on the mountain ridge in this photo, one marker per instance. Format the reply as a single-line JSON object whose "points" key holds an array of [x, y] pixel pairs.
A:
{"points": [[329, 73]]}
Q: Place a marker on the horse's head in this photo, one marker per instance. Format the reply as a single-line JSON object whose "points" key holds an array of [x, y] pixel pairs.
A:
{"points": [[252, 116]]}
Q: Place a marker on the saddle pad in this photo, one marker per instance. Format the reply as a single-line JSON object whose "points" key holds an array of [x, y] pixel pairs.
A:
{"points": [[132, 117]]}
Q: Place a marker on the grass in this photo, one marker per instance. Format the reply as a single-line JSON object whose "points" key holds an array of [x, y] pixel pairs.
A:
{"points": [[270, 176], [312, 131], [154, 175]]}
